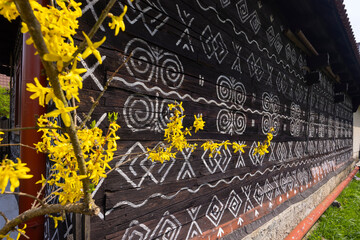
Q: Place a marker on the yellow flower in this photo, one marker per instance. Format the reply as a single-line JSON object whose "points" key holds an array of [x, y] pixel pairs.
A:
{"points": [[56, 219], [13, 172], [1, 137], [21, 231], [237, 147], [59, 59], [42, 181], [198, 123], [64, 112], [8, 9], [118, 22], [92, 48], [38, 90]]}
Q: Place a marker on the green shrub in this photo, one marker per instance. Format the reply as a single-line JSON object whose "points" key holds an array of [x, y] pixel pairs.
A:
{"points": [[4, 102]]}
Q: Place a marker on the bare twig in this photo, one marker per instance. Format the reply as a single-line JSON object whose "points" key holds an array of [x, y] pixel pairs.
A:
{"points": [[29, 128], [33, 205], [88, 116], [27, 195], [16, 144], [48, 209], [5, 218]]}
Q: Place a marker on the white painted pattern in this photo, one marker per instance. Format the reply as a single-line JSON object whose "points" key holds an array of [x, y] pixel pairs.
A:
{"points": [[270, 34], [187, 20], [152, 14], [213, 45], [231, 122], [255, 67], [186, 170], [225, 3], [248, 204], [140, 167], [219, 161], [270, 70], [237, 62], [136, 230], [142, 113], [258, 194], [90, 6], [168, 227], [295, 124], [234, 203], [242, 10], [270, 104], [149, 64], [272, 152], [276, 183], [240, 161], [90, 72], [215, 211], [175, 94], [268, 189], [256, 159], [229, 89], [244, 15], [255, 22], [281, 83], [194, 229], [281, 151], [276, 179]]}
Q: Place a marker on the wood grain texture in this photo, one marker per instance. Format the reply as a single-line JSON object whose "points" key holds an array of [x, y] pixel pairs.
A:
{"points": [[229, 61]]}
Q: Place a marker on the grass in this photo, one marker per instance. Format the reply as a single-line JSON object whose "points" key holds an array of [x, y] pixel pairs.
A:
{"points": [[344, 222]]}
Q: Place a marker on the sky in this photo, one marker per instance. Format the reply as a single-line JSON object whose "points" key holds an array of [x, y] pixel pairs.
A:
{"points": [[353, 10]]}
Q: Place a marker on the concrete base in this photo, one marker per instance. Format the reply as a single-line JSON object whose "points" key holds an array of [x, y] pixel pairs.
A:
{"points": [[282, 224]]}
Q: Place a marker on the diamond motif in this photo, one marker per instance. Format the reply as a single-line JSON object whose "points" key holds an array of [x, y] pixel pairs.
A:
{"points": [[255, 22], [215, 211], [242, 10], [234, 203]]}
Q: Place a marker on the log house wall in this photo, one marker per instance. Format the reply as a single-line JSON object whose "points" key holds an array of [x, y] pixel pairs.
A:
{"points": [[229, 61]]}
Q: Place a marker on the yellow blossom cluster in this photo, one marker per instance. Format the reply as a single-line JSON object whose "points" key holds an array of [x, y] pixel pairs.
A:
{"points": [[97, 148], [8, 9], [262, 148], [58, 26], [1, 133], [214, 147], [175, 135], [12, 171], [59, 23]]}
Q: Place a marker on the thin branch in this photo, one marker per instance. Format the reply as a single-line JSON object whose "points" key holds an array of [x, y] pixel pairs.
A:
{"points": [[17, 144], [29, 128], [27, 195], [48, 209], [5, 218], [93, 30], [88, 116], [33, 205]]}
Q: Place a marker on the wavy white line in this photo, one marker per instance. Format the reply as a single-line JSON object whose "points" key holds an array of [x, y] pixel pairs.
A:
{"points": [[169, 197], [202, 99], [237, 32]]}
